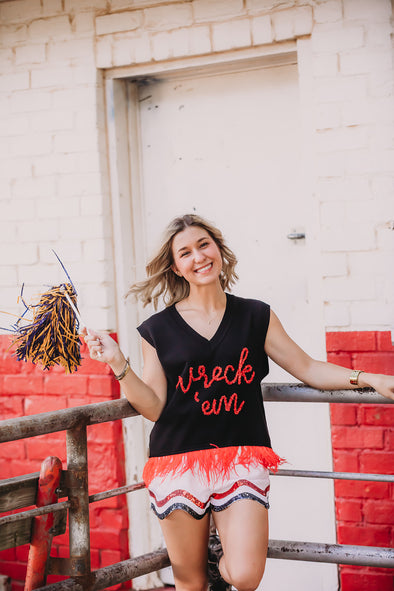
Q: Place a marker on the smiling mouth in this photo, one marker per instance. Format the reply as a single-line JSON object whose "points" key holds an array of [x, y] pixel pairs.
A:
{"points": [[203, 269]]}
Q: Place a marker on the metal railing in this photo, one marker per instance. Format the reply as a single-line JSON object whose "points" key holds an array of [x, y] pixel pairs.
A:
{"points": [[76, 420]]}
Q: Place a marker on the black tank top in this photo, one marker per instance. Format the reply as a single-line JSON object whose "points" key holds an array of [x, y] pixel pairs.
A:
{"points": [[213, 386]]}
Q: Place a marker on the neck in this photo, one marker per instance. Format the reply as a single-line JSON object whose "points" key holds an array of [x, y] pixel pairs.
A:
{"points": [[207, 298]]}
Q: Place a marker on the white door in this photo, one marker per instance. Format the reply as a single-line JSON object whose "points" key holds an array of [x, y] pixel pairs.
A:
{"points": [[230, 147]]}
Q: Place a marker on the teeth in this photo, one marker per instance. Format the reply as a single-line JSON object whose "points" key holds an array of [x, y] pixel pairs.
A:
{"points": [[203, 268]]}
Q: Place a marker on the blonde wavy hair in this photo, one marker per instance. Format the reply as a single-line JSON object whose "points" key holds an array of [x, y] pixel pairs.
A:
{"points": [[163, 282]]}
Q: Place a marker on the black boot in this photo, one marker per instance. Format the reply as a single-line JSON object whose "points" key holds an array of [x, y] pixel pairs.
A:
{"points": [[215, 552]]}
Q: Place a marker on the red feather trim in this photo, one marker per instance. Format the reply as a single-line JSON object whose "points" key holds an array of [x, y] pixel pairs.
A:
{"points": [[211, 464]]}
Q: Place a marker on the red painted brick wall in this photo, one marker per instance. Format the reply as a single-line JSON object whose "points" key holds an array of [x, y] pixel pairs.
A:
{"points": [[363, 441], [26, 390]]}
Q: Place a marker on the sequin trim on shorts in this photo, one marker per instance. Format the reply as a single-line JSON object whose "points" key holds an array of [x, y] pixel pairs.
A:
{"points": [[184, 500]]}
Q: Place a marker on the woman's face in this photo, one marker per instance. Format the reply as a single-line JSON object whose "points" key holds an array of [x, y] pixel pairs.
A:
{"points": [[196, 256]]}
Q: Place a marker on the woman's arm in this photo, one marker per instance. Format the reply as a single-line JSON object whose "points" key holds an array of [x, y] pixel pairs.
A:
{"points": [[147, 396], [318, 374]]}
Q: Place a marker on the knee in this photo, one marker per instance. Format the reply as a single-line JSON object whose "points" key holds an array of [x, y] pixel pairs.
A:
{"points": [[246, 577]]}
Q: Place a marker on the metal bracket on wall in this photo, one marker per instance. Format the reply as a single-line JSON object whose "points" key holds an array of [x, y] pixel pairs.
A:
{"points": [[296, 236]]}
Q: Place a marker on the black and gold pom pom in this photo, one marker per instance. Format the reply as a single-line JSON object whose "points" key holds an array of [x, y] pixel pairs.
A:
{"points": [[52, 337]]}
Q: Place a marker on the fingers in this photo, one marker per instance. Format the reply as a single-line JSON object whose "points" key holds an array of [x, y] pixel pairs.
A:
{"points": [[93, 342], [95, 348]]}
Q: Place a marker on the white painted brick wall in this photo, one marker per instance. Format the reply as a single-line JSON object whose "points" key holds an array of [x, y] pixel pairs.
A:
{"points": [[117, 23], [54, 189], [14, 126], [337, 238], [327, 116], [334, 264], [345, 138], [370, 262], [328, 12], [365, 60], [51, 77], [23, 10], [56, 27], [370, 316], [262, 30], [231, 35], [30, 54], [11, 168], [34, 188], [378, 34], [30, 101], [337, 314], [12, 34], [206, 10], [341, 89], [268, 5], [13, 82], [326, 64], [52, 7], [288, 24], [376, 11], [168, 17], [338, 37], [64, 51], [190, 41], [344, 289]]}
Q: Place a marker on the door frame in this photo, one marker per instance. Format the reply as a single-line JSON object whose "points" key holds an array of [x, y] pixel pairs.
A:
{"points": [[129, 243]]}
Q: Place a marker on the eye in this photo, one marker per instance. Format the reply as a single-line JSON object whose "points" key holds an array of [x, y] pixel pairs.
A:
{"points": [[184, 253], [203, 244]]}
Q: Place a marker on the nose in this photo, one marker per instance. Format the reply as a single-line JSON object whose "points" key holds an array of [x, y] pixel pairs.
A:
{"points": [[198, 256]]}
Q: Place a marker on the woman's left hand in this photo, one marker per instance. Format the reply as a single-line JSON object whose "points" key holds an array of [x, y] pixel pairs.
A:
{"points": [[383, 384]]}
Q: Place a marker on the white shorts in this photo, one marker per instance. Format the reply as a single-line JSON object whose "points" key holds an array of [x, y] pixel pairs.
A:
{"points": [[187, 493]]}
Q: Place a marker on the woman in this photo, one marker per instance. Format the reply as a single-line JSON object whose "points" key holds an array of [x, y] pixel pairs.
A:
{"points": [[204, 356]]}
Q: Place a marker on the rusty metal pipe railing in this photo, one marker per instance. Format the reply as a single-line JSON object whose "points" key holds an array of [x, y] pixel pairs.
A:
{"points": [[335, 475], [331, 553], [116, 573], [64, 419], [121, 490], [77, 477], [303, 393], [34, 512]]}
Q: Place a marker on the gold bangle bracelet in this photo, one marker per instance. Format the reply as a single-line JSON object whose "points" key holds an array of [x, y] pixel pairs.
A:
{"points": [[124, 372], [354, 376]]}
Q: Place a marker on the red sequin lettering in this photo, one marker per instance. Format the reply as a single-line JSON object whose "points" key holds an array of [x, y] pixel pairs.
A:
{"points": [[242, 370], [205, 408], [226, 378], [218, 374], [216, 407]]}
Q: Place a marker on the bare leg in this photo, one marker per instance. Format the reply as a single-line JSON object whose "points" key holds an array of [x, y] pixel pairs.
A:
{"points": [[243, 531], [187, 544]]}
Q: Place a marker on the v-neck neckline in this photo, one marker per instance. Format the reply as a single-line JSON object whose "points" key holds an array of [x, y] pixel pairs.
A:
{"points": [[221, 329]]}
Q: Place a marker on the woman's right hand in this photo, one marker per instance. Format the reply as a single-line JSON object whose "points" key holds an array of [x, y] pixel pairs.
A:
{"points": [[102, 347]]}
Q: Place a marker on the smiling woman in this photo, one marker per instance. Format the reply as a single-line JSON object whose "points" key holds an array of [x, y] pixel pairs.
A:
{"points": [[205, 356]]}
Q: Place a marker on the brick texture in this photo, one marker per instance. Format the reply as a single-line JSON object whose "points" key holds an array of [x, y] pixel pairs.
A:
{"points": [[362, 441], [26, 390]]}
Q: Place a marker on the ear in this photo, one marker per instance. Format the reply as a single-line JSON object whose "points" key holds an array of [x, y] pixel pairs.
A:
{"points": [[175, 270]]}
